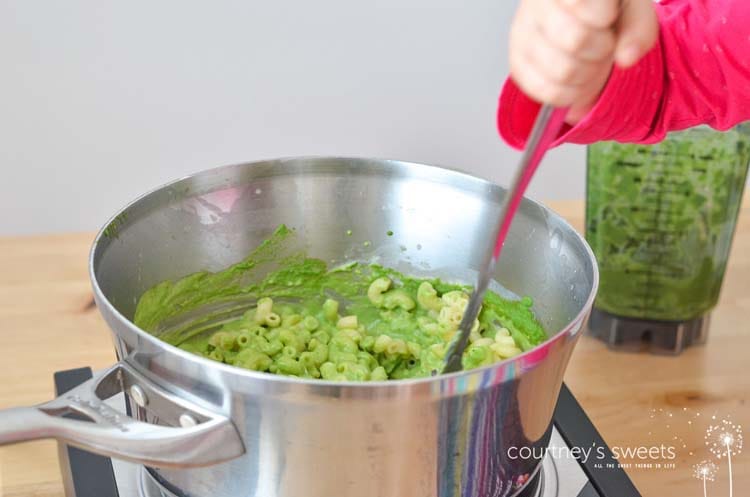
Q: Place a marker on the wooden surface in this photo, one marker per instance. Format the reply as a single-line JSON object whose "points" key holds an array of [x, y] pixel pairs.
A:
{"points": [[48, 323]]}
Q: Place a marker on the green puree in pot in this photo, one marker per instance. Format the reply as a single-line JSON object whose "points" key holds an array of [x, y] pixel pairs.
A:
{"points": [[292, 315]]}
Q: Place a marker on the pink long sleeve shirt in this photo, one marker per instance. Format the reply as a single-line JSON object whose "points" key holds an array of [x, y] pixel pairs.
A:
{"points": [[698, 73]]}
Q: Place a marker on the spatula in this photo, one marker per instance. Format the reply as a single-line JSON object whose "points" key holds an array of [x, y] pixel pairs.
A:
{"points": [[546, 128]]}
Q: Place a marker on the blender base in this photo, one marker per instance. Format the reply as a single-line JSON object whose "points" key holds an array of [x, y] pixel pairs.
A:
{"points": [[657, 337]]}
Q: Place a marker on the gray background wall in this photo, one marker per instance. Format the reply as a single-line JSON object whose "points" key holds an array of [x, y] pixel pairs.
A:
{"points": [[100, 101]]}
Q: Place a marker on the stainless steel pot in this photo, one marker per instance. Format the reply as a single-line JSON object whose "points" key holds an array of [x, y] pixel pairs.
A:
{"points": [[248, 434]]}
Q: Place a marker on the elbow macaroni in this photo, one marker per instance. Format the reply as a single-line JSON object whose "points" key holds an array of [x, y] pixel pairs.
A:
{"points": [[428, 298], [376, 290], [410, 337]]}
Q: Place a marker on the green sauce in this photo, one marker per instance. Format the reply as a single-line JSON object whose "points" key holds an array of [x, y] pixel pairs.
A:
{"points": [[660, 220], [328, 323]]}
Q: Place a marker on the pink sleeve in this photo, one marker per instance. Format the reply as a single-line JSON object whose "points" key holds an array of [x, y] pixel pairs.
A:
{"points": [[698, 73]]}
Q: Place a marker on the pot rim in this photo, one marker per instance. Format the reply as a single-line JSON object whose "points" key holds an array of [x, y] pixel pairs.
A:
{"points": [[101, 299]]}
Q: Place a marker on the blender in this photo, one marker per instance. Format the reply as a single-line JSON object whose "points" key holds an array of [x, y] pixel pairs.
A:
{"points": [[660, 219]]}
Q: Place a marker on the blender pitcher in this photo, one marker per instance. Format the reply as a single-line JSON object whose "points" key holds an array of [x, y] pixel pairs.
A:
{"points": [[660, 220]]}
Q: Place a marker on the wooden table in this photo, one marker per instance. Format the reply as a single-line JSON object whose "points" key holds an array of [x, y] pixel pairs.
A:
{"points": [[49, 323]]}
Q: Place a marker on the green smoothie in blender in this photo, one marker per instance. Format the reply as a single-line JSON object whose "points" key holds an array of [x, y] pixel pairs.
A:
{"points": [[660, 220]]}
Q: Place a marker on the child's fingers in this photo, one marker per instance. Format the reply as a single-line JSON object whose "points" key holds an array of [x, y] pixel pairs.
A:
{"points": [[535, 85], [560, 57], [557, 88], [600, 14], [637, 30], [560, 66], [563, 29]]}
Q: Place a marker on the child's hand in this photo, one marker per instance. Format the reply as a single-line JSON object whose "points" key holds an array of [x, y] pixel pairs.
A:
{"points": [[562, 51]]}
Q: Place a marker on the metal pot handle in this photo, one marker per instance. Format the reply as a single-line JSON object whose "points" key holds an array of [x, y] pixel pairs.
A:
{"points": [[193, 436]]}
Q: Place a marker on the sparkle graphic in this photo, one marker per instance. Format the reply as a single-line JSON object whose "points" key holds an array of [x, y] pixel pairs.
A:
{"points": [[725, 440], [705, 471]]}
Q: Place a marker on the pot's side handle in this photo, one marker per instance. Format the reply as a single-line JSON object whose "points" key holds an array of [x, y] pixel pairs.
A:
{"points": [[194, 436]]}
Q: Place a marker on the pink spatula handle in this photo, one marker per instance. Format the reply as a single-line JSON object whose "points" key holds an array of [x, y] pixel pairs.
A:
{"points": [[546, 128], [535, 150]]}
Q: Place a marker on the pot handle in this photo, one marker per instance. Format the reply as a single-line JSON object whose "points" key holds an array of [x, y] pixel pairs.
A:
{"points": [[192, 436]]}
